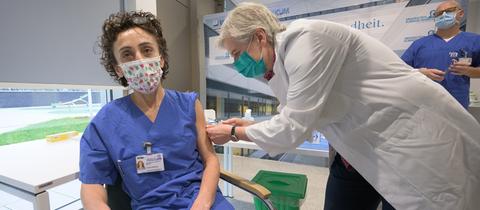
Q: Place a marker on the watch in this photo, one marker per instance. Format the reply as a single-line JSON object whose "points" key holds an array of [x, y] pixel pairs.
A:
{"points": [[233, 137]]}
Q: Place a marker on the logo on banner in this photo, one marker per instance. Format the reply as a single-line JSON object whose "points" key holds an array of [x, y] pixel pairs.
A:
{"points": [[217, 23], [369, 24], [413, 38], [281, 11], [423, 18]]}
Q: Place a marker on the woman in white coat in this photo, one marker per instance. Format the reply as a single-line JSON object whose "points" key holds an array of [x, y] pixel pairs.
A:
{"points": [[406, 135]]}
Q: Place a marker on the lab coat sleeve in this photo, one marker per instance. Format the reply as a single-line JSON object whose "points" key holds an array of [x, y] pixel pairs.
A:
{"points": [[312, 61], [96, 166]]}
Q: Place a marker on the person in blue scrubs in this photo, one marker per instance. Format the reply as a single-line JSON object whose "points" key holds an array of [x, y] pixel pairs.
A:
{"points": [[153, 139], [450, 56]]}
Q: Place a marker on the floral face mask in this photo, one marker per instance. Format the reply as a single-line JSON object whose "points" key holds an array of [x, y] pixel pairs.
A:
{"points": [[143, 75]]}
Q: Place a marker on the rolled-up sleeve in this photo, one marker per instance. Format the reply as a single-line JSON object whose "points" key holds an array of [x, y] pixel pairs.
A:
{"points": [[313, 62], [96, 166]]}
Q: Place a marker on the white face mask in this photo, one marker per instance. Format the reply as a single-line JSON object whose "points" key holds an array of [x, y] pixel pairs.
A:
{"points": [[143, 75]]}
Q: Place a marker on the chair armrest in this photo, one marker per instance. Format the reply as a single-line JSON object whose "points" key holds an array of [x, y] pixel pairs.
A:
{"points": [[251, 187]]}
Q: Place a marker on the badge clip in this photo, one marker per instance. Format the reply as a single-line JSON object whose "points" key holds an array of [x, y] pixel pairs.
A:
{"points": [[148, 147]]}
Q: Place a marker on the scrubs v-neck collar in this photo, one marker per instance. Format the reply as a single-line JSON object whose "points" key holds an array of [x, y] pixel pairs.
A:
{"points": [[144, 118]]}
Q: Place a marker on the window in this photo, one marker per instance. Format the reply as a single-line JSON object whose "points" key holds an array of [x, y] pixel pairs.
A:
{"points": [[30, 114], [229, 101]]}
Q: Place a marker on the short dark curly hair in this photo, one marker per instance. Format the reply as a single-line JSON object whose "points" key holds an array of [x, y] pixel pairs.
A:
{"points": [[120, 22]]}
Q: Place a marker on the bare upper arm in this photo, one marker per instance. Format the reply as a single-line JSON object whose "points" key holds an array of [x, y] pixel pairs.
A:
{"points": [[203, 143]]}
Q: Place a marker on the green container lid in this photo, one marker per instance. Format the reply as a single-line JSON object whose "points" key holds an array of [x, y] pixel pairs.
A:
{"points": [[282, 184]]}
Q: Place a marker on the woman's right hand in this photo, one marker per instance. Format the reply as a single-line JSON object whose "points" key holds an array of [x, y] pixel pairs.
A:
{"points": [[238, 122]]}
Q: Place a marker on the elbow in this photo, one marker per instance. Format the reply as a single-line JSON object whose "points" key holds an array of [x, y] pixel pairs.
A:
{"points": [[93, 197], [211, 162]]}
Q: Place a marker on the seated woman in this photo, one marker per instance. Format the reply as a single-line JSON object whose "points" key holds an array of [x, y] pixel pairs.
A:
{"points": [[154, 138]]}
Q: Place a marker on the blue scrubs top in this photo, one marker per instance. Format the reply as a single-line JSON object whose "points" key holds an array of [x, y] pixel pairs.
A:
{"points": [[433, 52], [115, 137]]}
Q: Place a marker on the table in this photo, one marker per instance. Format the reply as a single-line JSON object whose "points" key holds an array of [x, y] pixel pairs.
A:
{"points": [[29, 169], [318, 150]]}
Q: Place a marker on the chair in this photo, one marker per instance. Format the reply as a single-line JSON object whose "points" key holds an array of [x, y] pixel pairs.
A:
{"points": [[119, 200]]}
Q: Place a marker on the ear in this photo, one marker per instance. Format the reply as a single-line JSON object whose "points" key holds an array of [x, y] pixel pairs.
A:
{"points": [[262, 36], [460, 15], [162, 62], [119, 71]]}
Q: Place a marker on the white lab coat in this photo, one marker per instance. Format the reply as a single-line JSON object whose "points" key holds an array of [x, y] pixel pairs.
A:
{"points": [[411, 140]]}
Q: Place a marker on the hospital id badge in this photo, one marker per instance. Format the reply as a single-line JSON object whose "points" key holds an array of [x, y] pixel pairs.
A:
{"points": [[149, 163]]}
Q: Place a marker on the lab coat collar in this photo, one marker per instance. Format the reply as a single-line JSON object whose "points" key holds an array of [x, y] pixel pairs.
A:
{"points": [[279, 82]]}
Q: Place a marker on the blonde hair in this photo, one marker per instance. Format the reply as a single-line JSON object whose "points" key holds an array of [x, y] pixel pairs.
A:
{"points": [[242, 22]]}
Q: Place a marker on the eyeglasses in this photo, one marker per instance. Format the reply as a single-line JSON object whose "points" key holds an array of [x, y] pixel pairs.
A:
{"points": [[451, 9], [136, 18]]}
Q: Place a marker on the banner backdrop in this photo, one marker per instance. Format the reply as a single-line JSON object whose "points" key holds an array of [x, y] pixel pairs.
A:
{"points": [[396, 23]]}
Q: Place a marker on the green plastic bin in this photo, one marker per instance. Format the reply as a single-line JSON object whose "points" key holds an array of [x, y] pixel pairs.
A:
{"points": [[288, 190]]}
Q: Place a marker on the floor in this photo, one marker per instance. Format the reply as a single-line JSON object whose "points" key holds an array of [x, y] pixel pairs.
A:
{"points": [[317, 179], [66, 197], [63, 197]]}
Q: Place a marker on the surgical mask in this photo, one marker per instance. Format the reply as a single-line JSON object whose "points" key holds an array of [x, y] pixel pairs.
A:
{"points": [[446, 20], [143, 75], [249, 67]]}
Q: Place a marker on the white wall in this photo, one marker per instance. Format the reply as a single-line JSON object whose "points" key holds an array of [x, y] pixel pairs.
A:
{"points": [[53, 41], [147, 6], [198, 9], [473, 25], [175, 19], [183, 29]]}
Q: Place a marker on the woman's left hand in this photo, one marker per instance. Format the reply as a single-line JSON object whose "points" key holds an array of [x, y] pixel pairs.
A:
{"points": [[201, 204], [220, 133]]}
